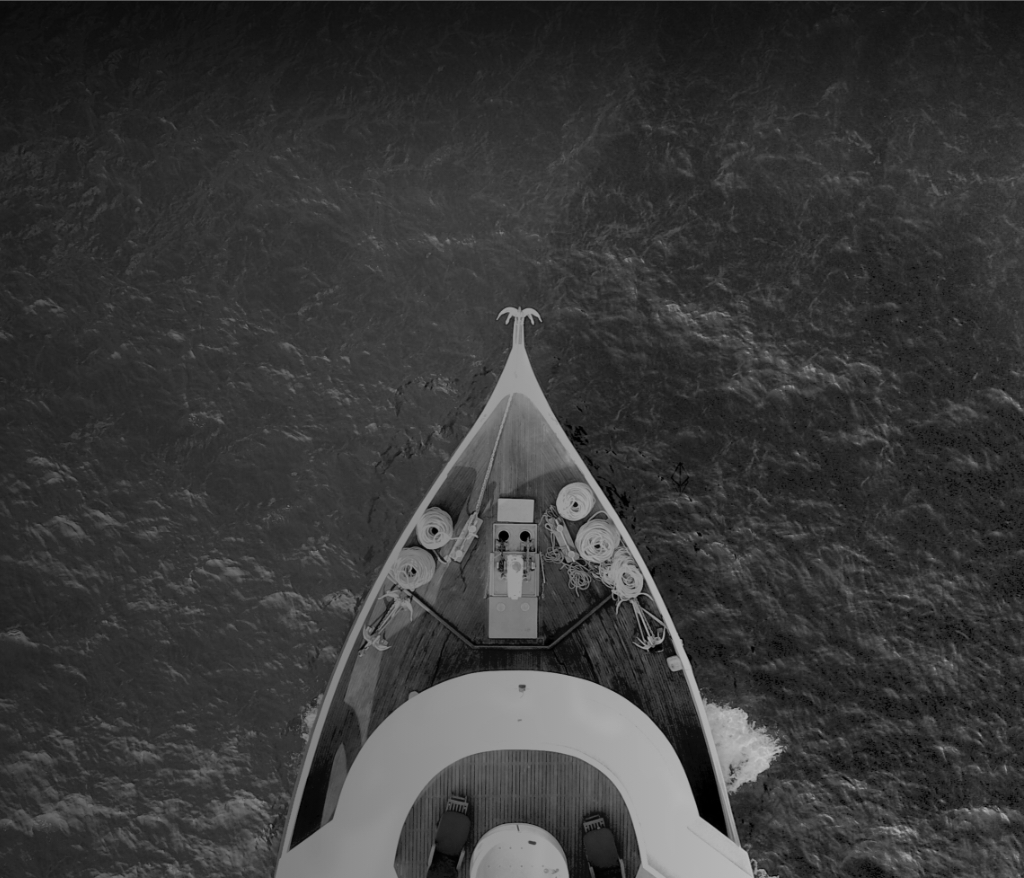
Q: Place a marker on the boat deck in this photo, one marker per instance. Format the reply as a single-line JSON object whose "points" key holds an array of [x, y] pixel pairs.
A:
{"points": [[450, 638], [551, 790]]}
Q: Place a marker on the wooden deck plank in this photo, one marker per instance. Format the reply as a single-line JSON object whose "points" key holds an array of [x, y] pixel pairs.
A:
{"points": [[550, 790], [648, 682], [531, 463], [416, 650]]}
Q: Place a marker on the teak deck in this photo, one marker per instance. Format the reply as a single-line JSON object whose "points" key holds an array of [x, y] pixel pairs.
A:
{"points": [[530, 462], [551, 790]]}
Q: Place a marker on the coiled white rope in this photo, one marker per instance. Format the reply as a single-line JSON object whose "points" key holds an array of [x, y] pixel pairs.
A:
{"points": [[434, 529], [561, 551], [621, 575], [579, 578], [413, 568], [598, 544], [575, 501], [597, 540]]}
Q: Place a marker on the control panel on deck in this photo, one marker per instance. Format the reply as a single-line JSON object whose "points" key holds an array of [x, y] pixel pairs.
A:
{"points": [[513, 572], [514, 569]]}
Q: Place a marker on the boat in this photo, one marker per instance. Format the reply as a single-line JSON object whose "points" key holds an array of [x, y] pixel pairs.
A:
{"points": [[513, 697]]}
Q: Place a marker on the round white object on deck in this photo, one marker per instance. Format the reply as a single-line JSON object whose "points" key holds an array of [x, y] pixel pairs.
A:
{"points": [[413, 567], [518, 850], [597, 540], [434, 529], [575, 501]]}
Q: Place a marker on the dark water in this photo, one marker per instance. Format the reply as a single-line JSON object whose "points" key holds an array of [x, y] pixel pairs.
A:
{"points": [[251, 259]]}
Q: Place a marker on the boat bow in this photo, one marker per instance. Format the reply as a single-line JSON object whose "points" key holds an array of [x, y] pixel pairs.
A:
{"points": [[486, 647]]}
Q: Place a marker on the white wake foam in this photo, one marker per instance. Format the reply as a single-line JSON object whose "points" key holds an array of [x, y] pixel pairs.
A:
{"points": [[744, 751]]}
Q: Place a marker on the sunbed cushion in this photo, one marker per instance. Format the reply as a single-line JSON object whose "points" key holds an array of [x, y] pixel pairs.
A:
{"points": [[599, 845], [452, 833]]}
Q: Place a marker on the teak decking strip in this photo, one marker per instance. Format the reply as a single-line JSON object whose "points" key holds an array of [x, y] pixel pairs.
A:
{"points": [[551, 790]]}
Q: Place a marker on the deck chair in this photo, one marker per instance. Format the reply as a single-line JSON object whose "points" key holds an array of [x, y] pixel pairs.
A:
{"points": [[599, 847], [449, 847]]}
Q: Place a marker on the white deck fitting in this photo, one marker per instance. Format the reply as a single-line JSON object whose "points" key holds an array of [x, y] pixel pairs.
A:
{"points": [[500, 710]]}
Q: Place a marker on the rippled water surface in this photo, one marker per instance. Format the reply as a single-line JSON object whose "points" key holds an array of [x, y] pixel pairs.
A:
{"points": [[251, 260]]}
